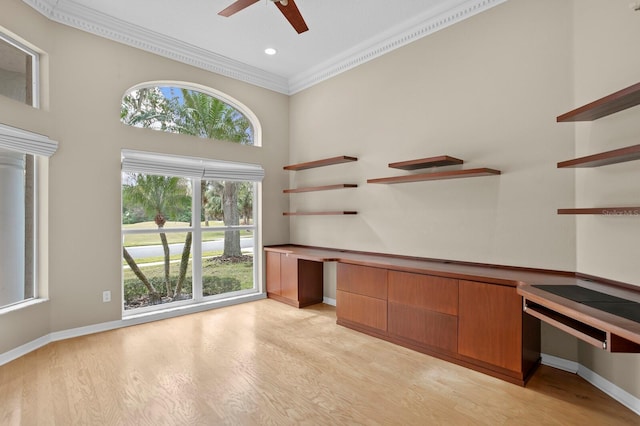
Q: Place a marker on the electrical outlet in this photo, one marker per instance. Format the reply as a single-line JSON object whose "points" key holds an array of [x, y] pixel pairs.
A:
{"points": [[106, 296]]}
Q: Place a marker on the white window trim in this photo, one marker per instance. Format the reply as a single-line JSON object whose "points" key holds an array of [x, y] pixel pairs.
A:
{"points": [[26, 142], [190, 167], [35, 67]]}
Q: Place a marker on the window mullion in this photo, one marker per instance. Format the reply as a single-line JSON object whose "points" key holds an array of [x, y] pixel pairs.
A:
{"points": [[196, 264]]}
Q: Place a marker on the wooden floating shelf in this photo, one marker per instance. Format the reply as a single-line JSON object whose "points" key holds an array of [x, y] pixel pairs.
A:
{"points": [[321, 163], [320, 188], [616, 102], [422, 163], [455, 174], [621, 155], [606, 211], [319, 213]]}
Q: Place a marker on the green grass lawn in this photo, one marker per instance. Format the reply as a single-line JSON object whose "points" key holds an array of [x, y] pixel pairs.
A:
{"points": [[217, 277]]}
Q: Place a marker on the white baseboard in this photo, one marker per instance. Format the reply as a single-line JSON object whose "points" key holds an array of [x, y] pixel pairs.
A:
{"points": [[329, 301], [615, 392], [133, 320], [24, 349], [560, 363]]}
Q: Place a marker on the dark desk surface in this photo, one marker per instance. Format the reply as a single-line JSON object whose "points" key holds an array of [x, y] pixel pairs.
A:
{"points": [[618, 306]]}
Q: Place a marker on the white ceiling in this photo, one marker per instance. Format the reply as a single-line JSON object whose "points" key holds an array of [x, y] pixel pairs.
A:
{"points": [[342, 33]]}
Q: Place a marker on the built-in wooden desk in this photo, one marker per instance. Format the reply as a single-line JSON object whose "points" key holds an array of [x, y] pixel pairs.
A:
{"points": [[604, 315], [484, 317]]}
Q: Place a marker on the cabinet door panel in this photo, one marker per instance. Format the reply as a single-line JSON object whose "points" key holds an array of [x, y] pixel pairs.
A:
{"points": [[364, 310], [424, 326], [425, 291], [273, 272], [362, 280], [490, 324], [310, 276], [289, 277]]}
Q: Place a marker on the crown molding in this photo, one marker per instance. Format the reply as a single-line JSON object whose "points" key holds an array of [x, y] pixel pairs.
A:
{"points": [[387, 42], [73, 14]]}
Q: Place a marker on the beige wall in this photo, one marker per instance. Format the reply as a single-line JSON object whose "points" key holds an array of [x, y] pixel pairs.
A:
{"points": [[607, 246], [87, 76], [604, 63], [486, 90]]}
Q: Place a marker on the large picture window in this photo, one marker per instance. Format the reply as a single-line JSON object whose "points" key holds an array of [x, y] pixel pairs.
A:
{"points": [[19, 152], [188, 230]]}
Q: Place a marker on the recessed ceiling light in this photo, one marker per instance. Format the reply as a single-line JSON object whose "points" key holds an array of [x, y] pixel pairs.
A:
{"points": [[270, 51]]}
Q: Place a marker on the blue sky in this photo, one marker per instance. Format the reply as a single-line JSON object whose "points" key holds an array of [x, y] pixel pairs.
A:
{"points": [[171, 92]]}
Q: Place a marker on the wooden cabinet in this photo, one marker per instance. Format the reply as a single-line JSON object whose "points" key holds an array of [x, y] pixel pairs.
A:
{"points": [[361, 298], [273, 273], [424, 310], [478, 325], [294, 281], [493, 329]]}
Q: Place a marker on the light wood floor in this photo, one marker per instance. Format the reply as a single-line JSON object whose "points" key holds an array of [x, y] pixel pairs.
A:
{"points": [[268, 363]]}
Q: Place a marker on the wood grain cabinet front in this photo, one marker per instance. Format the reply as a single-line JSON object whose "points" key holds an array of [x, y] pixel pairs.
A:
{"points": [[361, 298], [424, 310], [294, 281], [493, 329]]}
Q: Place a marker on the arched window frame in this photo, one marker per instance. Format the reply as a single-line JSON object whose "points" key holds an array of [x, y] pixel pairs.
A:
{"points": [[239, 106]]}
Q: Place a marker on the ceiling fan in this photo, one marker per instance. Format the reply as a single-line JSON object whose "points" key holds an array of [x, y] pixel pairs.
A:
{"points": [[287, 7]]}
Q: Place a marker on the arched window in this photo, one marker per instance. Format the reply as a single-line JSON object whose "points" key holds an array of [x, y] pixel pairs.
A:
{"points": [[190, 226], [186, 108]]}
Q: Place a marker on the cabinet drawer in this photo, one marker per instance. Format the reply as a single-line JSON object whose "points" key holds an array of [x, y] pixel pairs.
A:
{"points": [[424, 291], [362, 280], [424, 326], [365, 310]]}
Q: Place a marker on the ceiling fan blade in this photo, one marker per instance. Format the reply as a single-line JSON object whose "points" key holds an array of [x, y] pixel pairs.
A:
{"points": [[291, 12], [236, 7]]}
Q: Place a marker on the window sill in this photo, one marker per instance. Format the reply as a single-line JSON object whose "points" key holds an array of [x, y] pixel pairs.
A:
{"points": [[22, 305]]}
